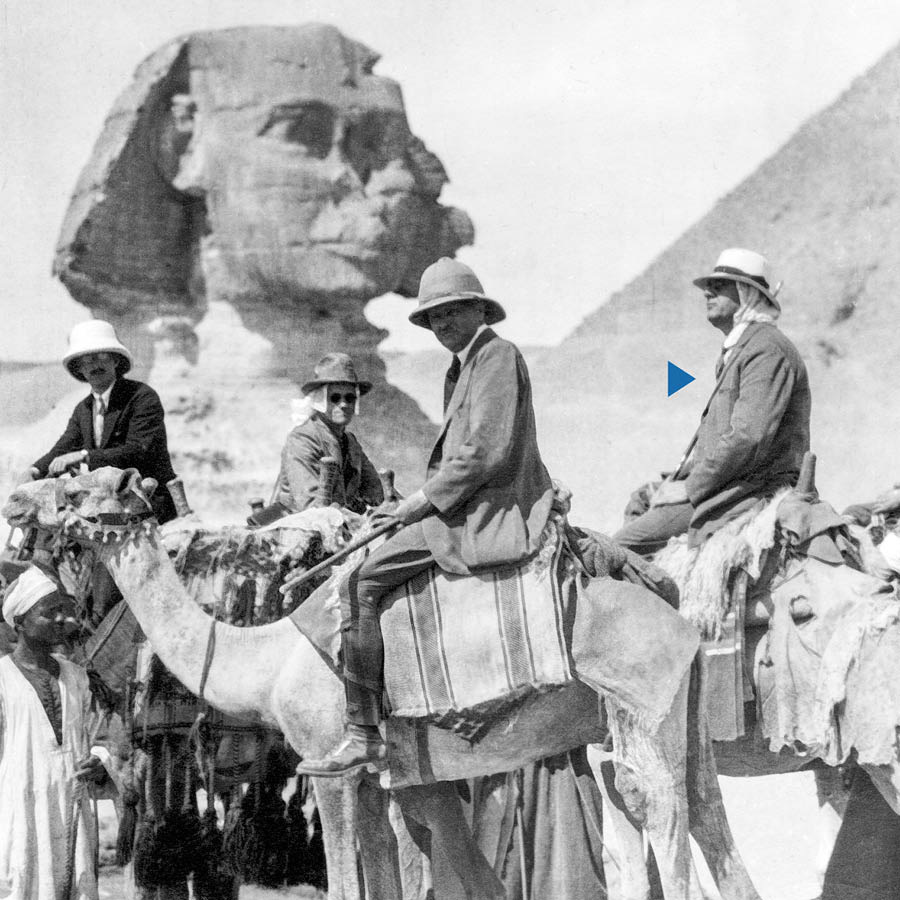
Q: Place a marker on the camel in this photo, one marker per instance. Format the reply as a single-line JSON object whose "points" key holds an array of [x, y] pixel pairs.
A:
{"points": [[233, 572], [815, 596], [273, 676]]}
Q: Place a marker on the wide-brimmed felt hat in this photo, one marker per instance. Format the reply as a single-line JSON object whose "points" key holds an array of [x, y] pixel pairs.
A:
{"points": [[94, 336], [745, 266], [333, 368], [450, 281]]}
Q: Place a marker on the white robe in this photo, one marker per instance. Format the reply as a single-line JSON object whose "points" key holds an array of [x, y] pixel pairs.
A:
{"points": [[38, 794]]}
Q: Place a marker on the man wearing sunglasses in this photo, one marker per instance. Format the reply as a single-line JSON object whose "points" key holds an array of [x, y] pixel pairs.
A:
{"points": [[755, 428], [484, 503], [330, 401]]}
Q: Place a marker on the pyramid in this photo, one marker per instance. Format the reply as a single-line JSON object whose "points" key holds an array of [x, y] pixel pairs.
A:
{"points": [[825, 210]]}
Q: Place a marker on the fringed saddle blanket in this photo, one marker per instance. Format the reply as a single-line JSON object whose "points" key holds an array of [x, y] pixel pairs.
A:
{"points": [[233, 571], [460, 650]]}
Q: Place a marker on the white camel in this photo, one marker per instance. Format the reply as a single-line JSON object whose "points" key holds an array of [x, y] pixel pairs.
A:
{"points": [[273, 675]]}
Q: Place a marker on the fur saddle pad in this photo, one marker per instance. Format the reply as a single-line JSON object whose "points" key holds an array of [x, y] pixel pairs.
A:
{"points": [[460, 650], [705, 575]]}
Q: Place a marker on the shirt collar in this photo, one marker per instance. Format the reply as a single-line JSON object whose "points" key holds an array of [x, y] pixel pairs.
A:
{"points": [[105, 395], [464, 353]]}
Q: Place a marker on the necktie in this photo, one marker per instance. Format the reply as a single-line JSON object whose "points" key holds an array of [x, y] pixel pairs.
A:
{"points": [[99, 413], [450, 380]]}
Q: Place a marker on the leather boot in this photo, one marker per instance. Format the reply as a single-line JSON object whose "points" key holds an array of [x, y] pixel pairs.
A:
{"points": [[362, 747]]}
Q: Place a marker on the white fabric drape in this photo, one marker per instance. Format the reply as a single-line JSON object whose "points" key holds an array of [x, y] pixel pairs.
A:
{"points": [[38, 793]]}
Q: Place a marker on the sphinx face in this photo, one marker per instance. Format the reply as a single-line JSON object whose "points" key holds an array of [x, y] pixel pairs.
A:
{"points": [[261, 164], [313, 183]]}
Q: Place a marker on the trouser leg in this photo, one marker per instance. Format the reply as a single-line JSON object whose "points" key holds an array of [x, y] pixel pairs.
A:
{"points": [[362, 648], [651, 531]]}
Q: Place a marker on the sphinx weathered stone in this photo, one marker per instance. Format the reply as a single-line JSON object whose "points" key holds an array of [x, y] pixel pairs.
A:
{"points": [[250, 191]]}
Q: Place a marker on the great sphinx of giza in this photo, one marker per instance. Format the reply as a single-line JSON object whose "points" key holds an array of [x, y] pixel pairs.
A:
{"points": [[252, 189]]}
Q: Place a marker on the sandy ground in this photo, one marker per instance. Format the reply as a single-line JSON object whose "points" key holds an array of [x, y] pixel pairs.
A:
{"points": [[774, 820]]}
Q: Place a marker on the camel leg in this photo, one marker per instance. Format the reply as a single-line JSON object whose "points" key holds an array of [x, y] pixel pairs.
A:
{"points": [[650, 776], [709, 824], [627, 848], [437, 808], [378, 843], [337, 802]]}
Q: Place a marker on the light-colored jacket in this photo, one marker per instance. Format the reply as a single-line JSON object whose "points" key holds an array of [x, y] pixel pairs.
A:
{"points": [[485, 473]]}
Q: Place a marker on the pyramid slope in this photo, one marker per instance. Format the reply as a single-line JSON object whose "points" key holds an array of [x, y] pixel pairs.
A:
{"points": [[825, 209]]}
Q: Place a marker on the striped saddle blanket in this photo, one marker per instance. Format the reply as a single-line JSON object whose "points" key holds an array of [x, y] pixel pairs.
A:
{"points": [[462, 650]]}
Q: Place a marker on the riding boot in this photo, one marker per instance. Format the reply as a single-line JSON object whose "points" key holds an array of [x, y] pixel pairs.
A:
{"points": [[362, 652]]}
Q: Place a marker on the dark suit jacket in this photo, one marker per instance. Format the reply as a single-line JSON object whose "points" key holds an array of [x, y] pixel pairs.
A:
{"points": [[755, 432], [298, 481], [134, 436], [485, 473]]}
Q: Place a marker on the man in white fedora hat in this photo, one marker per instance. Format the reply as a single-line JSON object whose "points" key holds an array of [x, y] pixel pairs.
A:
{"points": [[484, 503], [755, 428], [330, 400], [120, 422]]}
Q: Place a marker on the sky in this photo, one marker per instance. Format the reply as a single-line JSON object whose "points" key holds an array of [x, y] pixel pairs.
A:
{"points": [[582, 137]]}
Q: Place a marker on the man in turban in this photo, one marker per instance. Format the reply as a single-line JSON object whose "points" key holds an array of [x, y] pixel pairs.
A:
{"points": [[47, 769]]}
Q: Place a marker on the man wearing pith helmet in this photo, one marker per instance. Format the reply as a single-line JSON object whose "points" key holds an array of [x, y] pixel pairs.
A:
{"points": [[484, 502], [120, 422], [755, 428]]}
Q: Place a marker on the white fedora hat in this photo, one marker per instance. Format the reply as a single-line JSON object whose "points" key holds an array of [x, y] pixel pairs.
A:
{"points": [[745, 266], [95, 336]]}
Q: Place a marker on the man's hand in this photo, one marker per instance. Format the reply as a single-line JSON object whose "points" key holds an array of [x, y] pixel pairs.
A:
{"points": [[63, 463], [413, 509], [887, 502], [30, 474], [669, 493], [91, 770]]}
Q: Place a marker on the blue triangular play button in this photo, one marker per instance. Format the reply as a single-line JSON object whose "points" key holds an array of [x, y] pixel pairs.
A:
{"points": [[678, 379]]}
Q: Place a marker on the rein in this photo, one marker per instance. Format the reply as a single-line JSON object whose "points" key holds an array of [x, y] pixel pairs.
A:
{"points": [[208, 658]]}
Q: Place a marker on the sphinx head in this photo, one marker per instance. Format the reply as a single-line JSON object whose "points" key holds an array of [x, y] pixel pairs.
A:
{"points": [[260, 162]]}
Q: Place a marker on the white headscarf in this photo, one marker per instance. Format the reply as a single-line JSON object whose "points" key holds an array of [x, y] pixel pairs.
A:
{"points": [[315, 401], [755, 307], [30, 587]]}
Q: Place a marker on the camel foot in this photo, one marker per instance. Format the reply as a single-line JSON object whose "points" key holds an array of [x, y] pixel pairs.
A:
{"points": [[358, 750]]}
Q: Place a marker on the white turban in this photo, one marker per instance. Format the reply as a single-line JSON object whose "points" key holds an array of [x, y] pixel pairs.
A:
{"points": [[32, 585]]}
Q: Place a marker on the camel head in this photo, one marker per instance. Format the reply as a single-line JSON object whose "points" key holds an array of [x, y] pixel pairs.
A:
{"points": [[88, 507]]}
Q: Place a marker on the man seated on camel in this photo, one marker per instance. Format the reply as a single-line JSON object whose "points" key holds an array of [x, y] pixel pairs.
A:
{"points": [[120, 423], [484, 503], [47, 767], [331, 399], [755, 428]]}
